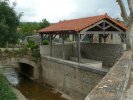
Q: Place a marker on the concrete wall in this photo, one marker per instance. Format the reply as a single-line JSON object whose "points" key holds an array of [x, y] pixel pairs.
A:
{"points": [[57, 50], [113, 85], [72, 78]]}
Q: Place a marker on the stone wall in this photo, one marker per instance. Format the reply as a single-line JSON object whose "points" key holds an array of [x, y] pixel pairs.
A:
{"points": [[107, 53], [16, 61], [113, 85], [72, 78]]}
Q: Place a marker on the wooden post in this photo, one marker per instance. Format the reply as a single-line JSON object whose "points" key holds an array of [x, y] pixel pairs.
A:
{"points": [[105, 37], [100, 39], [125, 38], [63, 53], [51, 45], [73, 37], [78, 47], [41, 39]]}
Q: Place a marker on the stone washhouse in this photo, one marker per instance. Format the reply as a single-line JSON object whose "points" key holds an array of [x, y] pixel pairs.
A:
{"points": [[91, 65]]}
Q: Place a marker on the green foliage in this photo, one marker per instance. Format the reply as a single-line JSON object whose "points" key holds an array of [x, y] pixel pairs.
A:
{"points": [[30, 28], [32, 45], [8, 24], [27, 28], [36, 54], [45, 42], [34, 50], [6, 92], [44, 23]]}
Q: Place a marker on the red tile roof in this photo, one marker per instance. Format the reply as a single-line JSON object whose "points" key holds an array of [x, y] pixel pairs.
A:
{"points": [[78, 25]]}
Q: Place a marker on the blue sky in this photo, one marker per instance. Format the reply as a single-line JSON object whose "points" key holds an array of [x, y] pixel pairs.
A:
{"points": [[56, 10]]}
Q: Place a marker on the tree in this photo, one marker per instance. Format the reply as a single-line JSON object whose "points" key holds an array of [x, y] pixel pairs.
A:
{"points": [[128, 19], [30, 28], [8, 24], [44, 23], [27, 28]]}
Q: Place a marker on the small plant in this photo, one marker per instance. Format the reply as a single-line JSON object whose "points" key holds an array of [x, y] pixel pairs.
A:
{"points": [[32, 45], [45, 42], [36, 55]]}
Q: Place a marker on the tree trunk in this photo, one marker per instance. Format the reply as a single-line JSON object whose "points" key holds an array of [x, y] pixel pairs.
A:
{"points": [[129, 36], [128, 21]]}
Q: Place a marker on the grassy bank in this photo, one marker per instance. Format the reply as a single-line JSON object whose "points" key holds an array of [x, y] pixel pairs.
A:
{"points": [[6, 92]]}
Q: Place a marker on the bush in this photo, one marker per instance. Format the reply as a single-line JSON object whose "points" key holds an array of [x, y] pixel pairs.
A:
{"points": [[45, 42], [32, 45], [36, 54]]}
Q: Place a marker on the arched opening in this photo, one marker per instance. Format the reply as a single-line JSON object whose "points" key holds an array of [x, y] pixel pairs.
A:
{"points": [[27, 70]]}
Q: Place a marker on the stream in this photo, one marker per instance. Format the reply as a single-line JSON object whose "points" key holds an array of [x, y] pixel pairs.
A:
{"points": [[30, 89]]}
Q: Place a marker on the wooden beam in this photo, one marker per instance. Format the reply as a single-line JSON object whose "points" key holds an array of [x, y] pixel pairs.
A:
{"points": [[79, 48], [107, 27], [104, 36], [103, 28], [123, 38], [63, 52], [82, 32], [83, 36], [51, 45], [90, 36], [53, 36], [100, 27], [114, 26], [101, 32], [73, 35], [65, 36], [45, 35], [41, 37]]}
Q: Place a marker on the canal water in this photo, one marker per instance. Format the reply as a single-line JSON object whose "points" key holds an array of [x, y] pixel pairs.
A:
{"points": [[33, 90]]}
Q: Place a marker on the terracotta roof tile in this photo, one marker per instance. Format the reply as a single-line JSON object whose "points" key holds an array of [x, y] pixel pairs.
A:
{"points": [[79, 24]]}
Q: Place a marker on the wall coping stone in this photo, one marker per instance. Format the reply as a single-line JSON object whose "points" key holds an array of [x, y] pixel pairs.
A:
{"points": [[77, 65], [113, 85]]}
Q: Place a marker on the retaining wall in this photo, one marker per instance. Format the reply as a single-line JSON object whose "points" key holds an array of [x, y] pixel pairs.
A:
{"points": [[72, 78], [113, 85]]}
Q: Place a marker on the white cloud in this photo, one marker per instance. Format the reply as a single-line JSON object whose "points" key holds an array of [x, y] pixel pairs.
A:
{"points": [[55, 10]]}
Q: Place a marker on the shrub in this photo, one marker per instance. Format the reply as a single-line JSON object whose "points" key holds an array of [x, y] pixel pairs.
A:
{"points": [[45, 42], [32, 45]]}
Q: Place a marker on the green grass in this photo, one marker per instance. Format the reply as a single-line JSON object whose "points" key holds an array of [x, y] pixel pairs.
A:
{"points": [[6, 92]]}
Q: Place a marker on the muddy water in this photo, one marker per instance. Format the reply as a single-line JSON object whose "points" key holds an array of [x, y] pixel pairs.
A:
{"points": [[34, 91], [30, 89]]}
